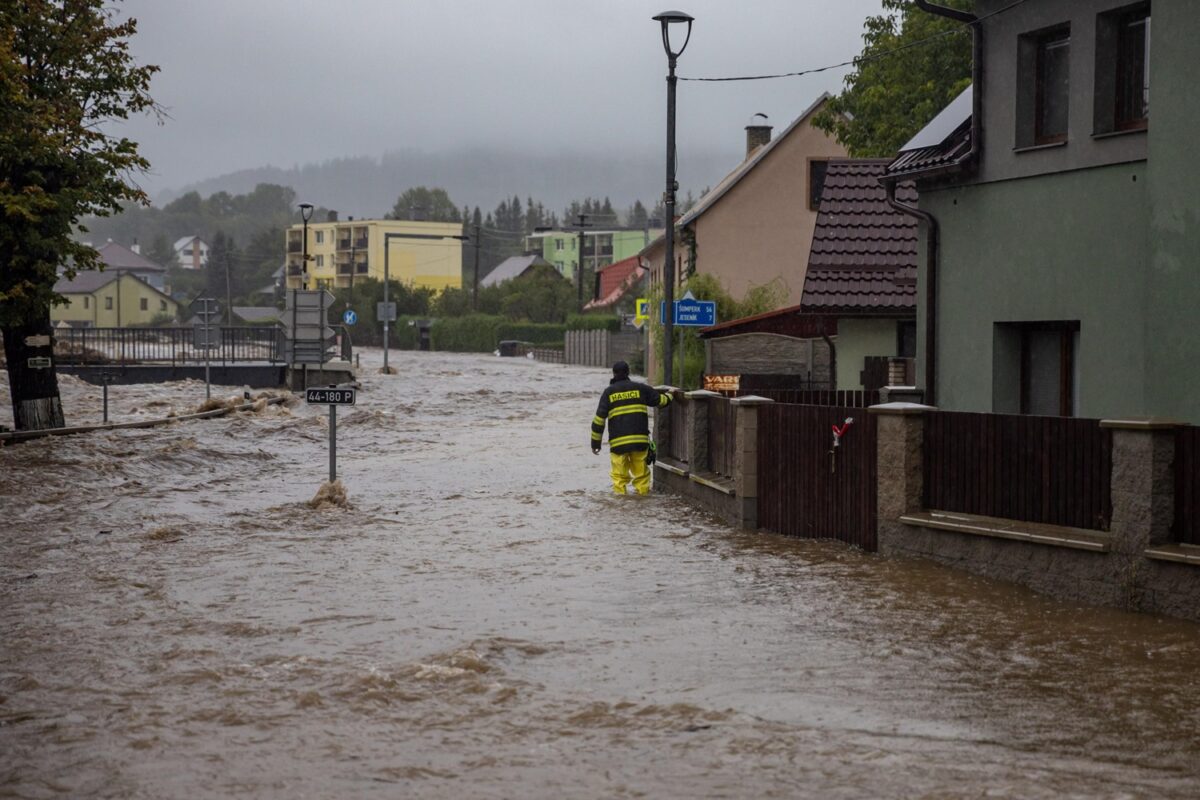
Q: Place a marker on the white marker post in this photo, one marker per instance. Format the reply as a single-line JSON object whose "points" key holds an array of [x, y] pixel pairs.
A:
{"points": [[333, 397]]}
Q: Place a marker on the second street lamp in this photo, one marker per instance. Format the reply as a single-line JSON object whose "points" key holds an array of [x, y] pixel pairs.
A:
{"points": [[666, 20]]}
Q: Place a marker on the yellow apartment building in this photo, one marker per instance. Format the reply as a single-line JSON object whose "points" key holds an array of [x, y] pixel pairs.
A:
{"points": [[111, 299], [420, 254]]}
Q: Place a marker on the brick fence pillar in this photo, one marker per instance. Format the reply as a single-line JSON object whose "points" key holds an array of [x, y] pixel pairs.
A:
{"points": [[745, 463], [662, 420], [698, 401], [899, 439], [1143, 497]]}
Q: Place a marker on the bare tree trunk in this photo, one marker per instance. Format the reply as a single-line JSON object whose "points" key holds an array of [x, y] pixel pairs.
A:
{"points": [[33, 388]]}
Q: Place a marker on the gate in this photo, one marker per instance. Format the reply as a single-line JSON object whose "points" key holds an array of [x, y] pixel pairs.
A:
{"points": [[802, 489]]}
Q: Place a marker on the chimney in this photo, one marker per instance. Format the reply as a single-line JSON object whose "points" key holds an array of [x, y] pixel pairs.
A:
{"points": [[758, 133], [137, 248], [331, 216]]}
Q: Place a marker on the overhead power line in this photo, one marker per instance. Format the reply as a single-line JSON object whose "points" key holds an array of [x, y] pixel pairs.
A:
{"points": [[863, 59]]}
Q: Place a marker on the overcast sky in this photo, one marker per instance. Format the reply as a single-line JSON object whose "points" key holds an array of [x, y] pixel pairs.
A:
{"points": [[250, 83]]}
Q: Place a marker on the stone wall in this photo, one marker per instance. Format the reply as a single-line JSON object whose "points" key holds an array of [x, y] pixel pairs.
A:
{"points": [[768, 354], [1133, 565]]}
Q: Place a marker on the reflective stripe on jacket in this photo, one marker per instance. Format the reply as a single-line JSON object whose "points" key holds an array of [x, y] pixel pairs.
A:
{"points": [[625, 405]]}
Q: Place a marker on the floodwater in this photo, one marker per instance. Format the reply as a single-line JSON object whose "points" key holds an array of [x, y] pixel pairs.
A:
{"points": [[486, 621]]}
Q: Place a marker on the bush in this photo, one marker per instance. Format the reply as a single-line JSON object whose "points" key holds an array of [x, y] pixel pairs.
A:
{"points": [[535, 332], [476, 333], [593, 322]]}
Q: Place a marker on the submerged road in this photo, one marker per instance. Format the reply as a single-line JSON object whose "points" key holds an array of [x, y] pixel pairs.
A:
{"points": [[487, 621]]}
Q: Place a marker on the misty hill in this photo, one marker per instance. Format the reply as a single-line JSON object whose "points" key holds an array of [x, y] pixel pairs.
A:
{"points": [[367, 186]]}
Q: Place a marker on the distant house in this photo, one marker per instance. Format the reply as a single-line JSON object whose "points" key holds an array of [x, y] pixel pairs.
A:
{"points": [[518, 267], [618, 285], [417, 253], [858, 310], [756, 225], [602, 245], [191, 252], [119, 258], [111, 299], [1067, 246]]}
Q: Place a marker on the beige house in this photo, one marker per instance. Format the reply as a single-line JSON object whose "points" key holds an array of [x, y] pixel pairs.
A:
{"points": [[111, 299], [756, 225]]}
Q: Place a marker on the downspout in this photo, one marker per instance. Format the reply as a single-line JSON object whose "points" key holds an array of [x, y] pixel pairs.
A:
{"points": [[931, 223], [832, 362], [931, 263]]}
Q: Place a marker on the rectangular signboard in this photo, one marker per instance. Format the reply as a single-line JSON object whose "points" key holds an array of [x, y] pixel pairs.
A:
{"points": [[722, 383], [38, 362], [330, 397], [691, 313], [385, 311]]}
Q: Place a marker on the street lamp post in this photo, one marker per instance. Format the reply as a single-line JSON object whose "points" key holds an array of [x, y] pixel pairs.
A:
{"points": [[306, 211], [666, 19]]}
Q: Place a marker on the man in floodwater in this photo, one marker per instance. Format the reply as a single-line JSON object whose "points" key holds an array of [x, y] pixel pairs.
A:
{"points": [[625, 405]]}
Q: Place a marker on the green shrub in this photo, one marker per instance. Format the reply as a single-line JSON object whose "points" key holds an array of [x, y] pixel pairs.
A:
{"points": [[593, 322]]}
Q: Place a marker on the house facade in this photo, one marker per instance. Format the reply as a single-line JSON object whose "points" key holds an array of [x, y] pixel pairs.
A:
{"points": [[601, 247], [191, 252], [111, 299], [755, 227], [421, 254], [1067, 246]]}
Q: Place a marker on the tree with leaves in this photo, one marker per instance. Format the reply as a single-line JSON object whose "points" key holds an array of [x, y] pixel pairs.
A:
{"points": [[423, 203], [912, 65], [65, 73]]}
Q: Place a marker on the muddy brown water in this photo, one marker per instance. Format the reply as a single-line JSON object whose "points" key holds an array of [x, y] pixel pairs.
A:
{"points": [[486, 621]]}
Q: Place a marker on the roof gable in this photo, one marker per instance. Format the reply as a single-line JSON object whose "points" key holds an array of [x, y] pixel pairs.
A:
{"points": [[742, 170], [514, 267]]}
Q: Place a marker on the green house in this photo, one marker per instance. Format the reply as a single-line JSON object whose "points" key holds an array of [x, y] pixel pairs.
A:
{"points": [[1060, 250], [601, 246]]}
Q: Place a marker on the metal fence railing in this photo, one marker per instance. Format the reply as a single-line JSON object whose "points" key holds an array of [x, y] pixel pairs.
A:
{"points": [[118, 346]]}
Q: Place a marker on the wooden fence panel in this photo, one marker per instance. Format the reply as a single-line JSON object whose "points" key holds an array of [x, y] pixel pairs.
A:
{"points": [[802, 489], [1053, 470], [678, 429], [722, 437], [1186, 528]]}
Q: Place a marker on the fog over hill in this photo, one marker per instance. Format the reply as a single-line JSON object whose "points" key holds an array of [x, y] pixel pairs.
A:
{"points": [[368, 187]]}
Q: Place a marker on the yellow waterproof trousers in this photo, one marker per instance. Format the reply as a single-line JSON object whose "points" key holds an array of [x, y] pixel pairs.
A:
{"points": [[630, 468]]}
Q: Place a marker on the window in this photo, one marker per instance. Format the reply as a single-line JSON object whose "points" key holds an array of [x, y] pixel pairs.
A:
{"points": [[162, 305], [320, 237], [1043, 87], [144, 304], [1053, 87], [559, 265], [320, 261], [816, 182], [1035, 368], [87, 301], [108, 304], [187, 252], [558, 244], [1133, 69]]}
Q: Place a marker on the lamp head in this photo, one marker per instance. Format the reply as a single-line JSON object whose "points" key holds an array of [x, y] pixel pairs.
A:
{"points": [[306, 211], [668, 18]]}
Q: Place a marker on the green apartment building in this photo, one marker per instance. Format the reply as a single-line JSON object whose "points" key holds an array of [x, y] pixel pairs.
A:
{"points": [[601, 246], [1062, 220]]}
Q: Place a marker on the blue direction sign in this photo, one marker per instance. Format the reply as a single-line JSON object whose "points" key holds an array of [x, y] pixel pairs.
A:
{"points": [[690, 312], [350, 317]]}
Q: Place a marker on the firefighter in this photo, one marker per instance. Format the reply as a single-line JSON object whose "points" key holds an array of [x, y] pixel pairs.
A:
{"points": [[625, 405]]}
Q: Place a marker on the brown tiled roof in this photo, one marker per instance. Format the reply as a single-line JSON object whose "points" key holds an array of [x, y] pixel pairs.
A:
{"points": [[949, 153], [864, 253]]}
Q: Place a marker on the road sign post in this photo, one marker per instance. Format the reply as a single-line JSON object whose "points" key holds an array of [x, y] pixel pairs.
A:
{"points": [[333, 397], [206, 309]]}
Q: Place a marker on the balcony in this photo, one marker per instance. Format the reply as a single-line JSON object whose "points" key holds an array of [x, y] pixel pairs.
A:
{"points": [[343, 244], [361, 243], [294, 246], [294, 270], [361, 268], [343, 268]]}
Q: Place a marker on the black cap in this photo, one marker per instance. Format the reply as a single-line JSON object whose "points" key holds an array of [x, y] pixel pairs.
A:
{"points": [[620, 368]]}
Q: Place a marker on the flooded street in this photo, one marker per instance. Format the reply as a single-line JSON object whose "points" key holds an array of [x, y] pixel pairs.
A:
{"points": [[487, 621]]}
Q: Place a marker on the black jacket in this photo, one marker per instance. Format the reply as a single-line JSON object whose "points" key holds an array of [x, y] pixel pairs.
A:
{"points": [[625, 405]]}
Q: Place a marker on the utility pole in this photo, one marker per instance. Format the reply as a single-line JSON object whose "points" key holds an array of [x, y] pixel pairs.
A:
{"points": [[228, 294], [475, 279], [583, 223]]}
